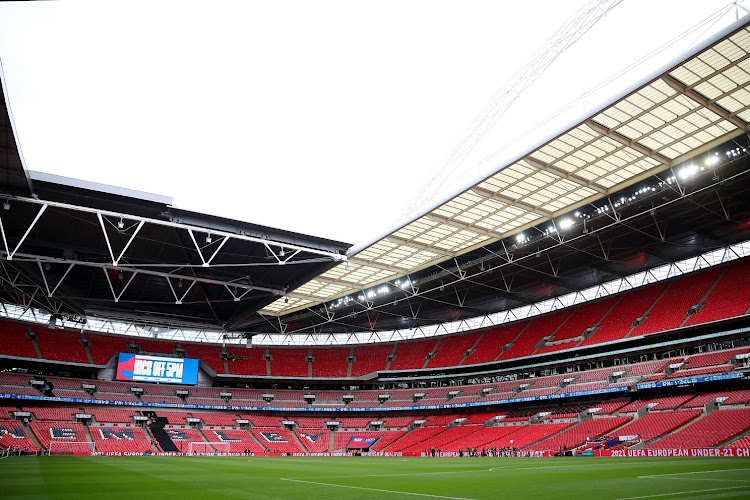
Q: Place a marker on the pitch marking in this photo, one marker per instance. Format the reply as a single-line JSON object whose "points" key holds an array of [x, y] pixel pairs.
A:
{"points": [[374, 489], [686, 492], [695, 472]]}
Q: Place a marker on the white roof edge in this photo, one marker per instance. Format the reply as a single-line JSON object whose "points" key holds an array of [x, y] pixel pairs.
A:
{"points": [[513, 157], [102, 188], [13, 125]]}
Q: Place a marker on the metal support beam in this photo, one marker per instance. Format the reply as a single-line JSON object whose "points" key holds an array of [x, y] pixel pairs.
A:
{"points": [[635, 145], [565, 175], [705, 102]]}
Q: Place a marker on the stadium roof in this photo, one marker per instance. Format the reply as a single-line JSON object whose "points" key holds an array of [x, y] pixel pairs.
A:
{"points": [[76, 248], [681, 113]]}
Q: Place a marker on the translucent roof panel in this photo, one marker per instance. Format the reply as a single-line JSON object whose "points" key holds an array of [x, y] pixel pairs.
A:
{"points": [[699, 103]]}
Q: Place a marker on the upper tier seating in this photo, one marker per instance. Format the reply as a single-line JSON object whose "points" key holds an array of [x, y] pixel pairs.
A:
{"points": [[288, 362], [585, 316], [671, 310], [540, 327], [618, 322], [711, 430], [14, 341], [330, 361], [370, 359], [493, 341], [103, 347], [209, 354], [729, 298], [412, 355], [451, 349], [247, 361], [61, 345]]}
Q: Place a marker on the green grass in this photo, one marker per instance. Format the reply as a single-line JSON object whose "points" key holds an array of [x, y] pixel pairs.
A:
{"points": [[372, 477]]}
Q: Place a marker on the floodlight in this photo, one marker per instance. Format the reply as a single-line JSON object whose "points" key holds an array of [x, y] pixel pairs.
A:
{"points": [[120, 224]]}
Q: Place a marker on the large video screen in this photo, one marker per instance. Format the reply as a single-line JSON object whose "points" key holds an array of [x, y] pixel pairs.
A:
{"points": [[143, 368]]}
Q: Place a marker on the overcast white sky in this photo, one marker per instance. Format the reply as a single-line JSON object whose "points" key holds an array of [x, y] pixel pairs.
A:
{"points": [[326, 117]]}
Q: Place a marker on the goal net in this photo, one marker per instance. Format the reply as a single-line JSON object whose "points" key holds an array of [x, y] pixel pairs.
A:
{"points": [[218, 448], [71, 447]]}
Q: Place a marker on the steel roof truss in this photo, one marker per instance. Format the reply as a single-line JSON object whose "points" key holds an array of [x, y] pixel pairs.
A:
{"points": [[207, 263], [28, 230]]}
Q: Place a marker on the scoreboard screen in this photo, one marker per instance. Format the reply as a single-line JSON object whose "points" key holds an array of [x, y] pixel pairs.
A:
{"points": [[143, 368]]}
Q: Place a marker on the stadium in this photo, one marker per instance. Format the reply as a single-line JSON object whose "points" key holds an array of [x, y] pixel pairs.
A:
{"points": [[575, 321]]}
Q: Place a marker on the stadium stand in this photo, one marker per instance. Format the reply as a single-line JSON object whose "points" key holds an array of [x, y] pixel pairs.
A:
{"points": [[288, 362], [579, 434], [385, 438], [277, 439], [14, 435], [671, 309], [368, 359], [619, 321], [61, 345], [711, 430], [239, 440], [730, 298], [450, 350], [330, 361], [412, 355], [53, 414], [540, 328], [69, 437], [314, 440], [103, 415], [120, 439], [656, 424], [14, 341], [492, 343], [247, 361]]}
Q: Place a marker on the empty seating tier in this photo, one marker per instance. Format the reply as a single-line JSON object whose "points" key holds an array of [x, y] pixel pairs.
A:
{"points": [[711, 430]]}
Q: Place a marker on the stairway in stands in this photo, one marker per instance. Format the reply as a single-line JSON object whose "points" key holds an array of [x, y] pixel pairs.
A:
{"points": [[157, 430]]}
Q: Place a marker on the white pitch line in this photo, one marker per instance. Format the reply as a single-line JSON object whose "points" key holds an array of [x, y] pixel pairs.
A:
{"points": [[694, 472], [374, 489], [686, 492], [390, 475]]}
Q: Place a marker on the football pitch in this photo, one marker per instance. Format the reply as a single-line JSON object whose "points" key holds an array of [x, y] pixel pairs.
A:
{"points": [[373, 477]]}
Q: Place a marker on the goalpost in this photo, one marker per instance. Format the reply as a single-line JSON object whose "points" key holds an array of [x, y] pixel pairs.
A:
{"points": [[213, 448], [71, 447]]}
